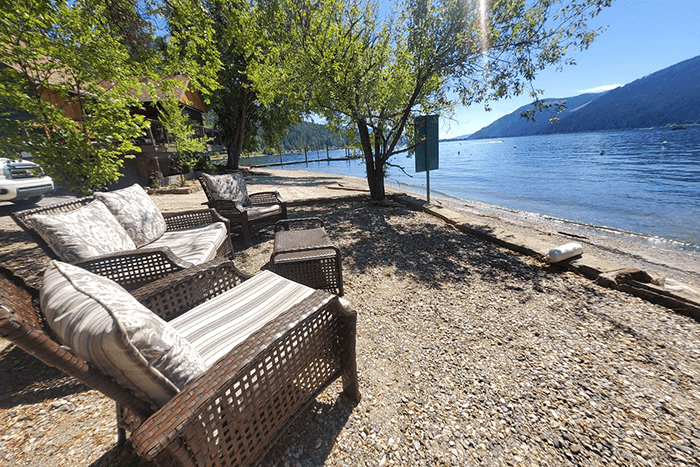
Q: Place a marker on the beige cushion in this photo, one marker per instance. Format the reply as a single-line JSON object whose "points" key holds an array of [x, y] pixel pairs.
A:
{"points": [[83, 233], [107, 327], [218, 325], [196, 245], [136, 212]]}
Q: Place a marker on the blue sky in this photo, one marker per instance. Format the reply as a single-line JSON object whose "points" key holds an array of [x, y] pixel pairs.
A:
{"points": [[643, 36]]}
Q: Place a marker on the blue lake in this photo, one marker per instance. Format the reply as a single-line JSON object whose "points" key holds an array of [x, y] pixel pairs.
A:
{"points": [[645, 181]]}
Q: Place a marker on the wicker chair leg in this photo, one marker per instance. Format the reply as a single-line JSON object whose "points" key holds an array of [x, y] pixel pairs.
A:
{"points": [[245, 231], [351, 386], [121, 430], [339, 272]]}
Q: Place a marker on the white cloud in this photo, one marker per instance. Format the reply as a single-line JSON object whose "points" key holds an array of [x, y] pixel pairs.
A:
{"points": [[605, 87]]}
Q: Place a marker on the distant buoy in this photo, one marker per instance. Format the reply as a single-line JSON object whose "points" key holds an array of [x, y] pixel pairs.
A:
{"points": [[602, 151], [566, 251]]}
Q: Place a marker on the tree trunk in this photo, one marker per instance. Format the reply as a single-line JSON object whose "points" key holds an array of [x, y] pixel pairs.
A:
{"points": [[235, 147], [374, 164], [234, 156], [376, 184]]}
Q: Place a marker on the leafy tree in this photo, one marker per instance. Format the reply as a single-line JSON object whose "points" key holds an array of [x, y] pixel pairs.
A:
{"points": [[375, 74], [69, 79], [241, 39], [179, 127]]}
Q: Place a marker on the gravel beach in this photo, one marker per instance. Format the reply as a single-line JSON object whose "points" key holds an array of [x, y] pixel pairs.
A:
{"points": [[468, 354]]}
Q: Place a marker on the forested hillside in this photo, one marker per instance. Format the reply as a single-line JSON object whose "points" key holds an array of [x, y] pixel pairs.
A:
{"points": [[312, 136], [667, 97], [515, 125]]}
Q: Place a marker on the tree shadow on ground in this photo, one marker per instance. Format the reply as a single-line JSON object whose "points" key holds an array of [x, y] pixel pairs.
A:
{"points": [[121, 456], [313, 434], [28, 381], [432, 253]]}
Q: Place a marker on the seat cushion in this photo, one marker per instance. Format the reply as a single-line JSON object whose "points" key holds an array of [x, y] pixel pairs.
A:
{"points": [[258, 212], [83, 233], [229, 187], [107, 327], [197, 245], [136, 212], [217, 326]]}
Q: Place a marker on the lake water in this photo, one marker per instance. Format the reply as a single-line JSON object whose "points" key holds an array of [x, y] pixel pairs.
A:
{"points": [[642, 181]]}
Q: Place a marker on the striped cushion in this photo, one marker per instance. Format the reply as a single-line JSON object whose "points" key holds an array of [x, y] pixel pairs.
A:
{"points": [[197, 245], [107, 327], [258, 212], [83, 233], [217, 326], [136, 212]]}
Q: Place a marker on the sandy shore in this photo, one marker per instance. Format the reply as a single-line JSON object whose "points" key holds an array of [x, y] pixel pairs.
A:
{"points": [[468, 354]]}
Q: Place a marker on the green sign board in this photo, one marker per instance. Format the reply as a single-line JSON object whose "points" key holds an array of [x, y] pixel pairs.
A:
{"points": [[428, 137]]}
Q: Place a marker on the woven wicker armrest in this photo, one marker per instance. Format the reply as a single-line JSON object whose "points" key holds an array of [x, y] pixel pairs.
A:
{"points": [[171, 296], [135, 268], [233, 413], [191, 219], [266, 197]]}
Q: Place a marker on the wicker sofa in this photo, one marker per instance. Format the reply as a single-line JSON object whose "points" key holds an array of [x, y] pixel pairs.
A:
{"points": [[265, 357], [122, 235], [228, 194]]}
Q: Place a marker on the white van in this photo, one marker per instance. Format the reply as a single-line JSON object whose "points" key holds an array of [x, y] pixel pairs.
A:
{"points": [[23, 181]]}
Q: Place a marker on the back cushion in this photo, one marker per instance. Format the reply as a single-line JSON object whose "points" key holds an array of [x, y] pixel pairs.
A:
{"points": [[84, 233], [228, 187], [136, 212], [107, 327]]}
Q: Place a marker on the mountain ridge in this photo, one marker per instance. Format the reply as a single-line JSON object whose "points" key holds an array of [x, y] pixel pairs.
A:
{"points": [[667, 97]]}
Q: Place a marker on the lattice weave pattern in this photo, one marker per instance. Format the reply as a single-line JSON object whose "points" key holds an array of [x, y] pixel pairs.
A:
{"points": [[323, 273], [248, 398]]}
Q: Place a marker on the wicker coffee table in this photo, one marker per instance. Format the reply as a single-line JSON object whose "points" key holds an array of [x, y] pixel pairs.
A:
{"points": [[307, 255]]}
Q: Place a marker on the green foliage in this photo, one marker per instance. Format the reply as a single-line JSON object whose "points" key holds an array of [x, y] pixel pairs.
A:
{"points": [[242, 38], [179, 127], [69, 81], [357, 71]]}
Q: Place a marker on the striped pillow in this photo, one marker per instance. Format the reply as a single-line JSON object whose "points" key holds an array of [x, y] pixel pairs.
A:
{"points": [[107, 327], [136, 212]]}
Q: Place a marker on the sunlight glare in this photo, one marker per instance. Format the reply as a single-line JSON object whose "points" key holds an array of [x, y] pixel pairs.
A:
{"points": [[484, 31]]}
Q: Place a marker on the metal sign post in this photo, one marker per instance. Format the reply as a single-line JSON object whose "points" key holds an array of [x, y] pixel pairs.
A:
{"points": [[427, 148]]}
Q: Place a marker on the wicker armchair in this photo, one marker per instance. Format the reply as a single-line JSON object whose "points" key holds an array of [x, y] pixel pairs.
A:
{"points": [[249, 213], [133, 268], [233, 412]]}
